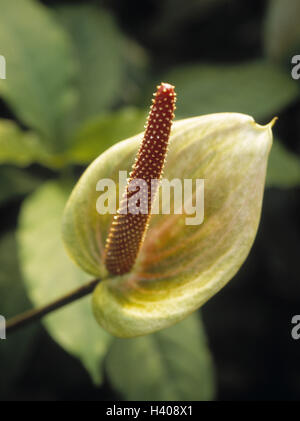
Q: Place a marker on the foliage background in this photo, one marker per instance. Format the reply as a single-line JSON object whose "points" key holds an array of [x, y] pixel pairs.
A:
{"points": [[78, 80]]}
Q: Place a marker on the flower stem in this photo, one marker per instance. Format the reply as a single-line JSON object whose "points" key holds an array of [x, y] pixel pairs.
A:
{"points": [[30, 316]]}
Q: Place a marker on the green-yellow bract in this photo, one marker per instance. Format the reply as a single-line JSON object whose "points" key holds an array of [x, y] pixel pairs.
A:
{"points": [[179, 266]]}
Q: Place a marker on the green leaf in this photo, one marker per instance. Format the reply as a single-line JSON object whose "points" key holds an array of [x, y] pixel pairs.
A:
{"points": [[100, 133], [15, 350], [97, 44], [173, 364], [257, 88], [19, 147], [137, 70], [49, 273], [39, 68], [93, 137], [23, 148], [282, 29], [15, 182], [283, 168]]}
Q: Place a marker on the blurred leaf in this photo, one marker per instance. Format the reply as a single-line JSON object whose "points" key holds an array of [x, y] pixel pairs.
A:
{"points": [[97, 45], [255, 88], [13, 300], [174, 13], [136, 64], [100, 133], [173, 364], [282, 29], [19, 147], [15, 182], [49, 273], [39, 68], [23, 148], [283, 168], [92, 138]]}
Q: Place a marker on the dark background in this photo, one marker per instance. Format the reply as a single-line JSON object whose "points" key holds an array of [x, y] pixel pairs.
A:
{"points": [[249, 322]]}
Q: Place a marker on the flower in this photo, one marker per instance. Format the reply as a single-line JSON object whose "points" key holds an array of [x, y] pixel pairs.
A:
{"points": [[129, 227], [179, 266]]}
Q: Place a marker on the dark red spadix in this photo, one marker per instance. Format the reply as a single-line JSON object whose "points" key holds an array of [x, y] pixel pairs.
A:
{"points": [[128, 230]]}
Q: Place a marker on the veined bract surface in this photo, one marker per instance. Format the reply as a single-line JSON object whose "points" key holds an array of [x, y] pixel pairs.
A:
{"points": [[179, 266]]}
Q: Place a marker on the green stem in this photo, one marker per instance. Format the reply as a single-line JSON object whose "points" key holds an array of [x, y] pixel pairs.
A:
{"points": [[32, 315]]}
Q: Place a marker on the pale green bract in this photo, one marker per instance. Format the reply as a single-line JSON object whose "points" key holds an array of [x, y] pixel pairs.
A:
{"points": [[179, 266]]}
